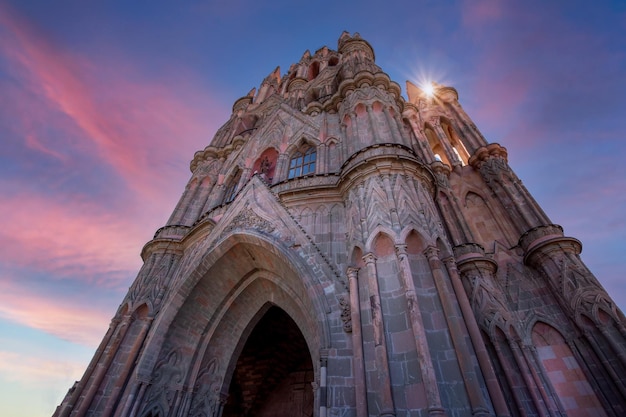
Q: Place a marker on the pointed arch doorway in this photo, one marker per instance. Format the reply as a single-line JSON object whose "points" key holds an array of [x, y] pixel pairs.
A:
{"points": [[273, 374]]}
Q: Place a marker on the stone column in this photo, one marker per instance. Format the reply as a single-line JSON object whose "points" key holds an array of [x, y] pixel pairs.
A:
{"points": [[457, 226], [471, 133], [206, 205], [393, 211], [491, 162], [122, 377], [67, 406], [548, 396], [470, 379], [429, 379], [604, 360], [102, 368], [187, 394], [380, 344], [321, 164], [445, 142], [354, 134], [619, 350], [393, 127], [539, 402], [142, 391], [323, 388], [199, 202], [218, 197], [357, 345], [179, 212], [507, 375], [245, 177], [372, 124], [425, 149], [479, 272], [493, 386], [282, 167]]}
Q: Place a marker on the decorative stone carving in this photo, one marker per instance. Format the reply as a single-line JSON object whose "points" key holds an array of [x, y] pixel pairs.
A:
{"points": [[248, 219], [166, 382], [346, 315], [207, 401]]}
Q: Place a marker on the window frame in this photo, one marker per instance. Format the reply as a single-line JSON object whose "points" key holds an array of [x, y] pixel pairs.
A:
{"points": [[303, 162]]}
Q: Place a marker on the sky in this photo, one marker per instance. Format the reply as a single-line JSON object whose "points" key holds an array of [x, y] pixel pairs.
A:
{"points": [[103, 104]]}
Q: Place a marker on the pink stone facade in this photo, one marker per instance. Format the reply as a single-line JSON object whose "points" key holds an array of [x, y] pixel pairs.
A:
{"points": [[340, 250]]}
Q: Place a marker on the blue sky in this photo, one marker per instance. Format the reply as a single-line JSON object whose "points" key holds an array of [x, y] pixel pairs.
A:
{"points": [[102, 105]]}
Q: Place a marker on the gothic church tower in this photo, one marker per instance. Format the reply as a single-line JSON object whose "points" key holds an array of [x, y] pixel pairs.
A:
{"points": [[342, 251]]}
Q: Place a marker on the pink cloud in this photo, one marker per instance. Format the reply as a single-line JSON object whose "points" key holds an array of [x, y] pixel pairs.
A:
{"points": [[38, 371], [477, 13], [69, 238], [33, 143], [74, 320], [137, 127]]}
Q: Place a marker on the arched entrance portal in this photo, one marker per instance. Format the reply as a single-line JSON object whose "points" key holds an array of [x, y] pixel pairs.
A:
{"points": [[274, 371]]}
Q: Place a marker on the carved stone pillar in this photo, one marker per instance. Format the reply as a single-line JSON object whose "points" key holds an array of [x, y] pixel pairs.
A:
{"points": [[282, 168], [66, 409], [464, 357], [207, 201], [493, 386], [102, 367], [604, 360], [451, 211], [198, 203], [179, 212], [545, 389], [527, 373], [393, 126], [491, 162], [353, 136], [322, 388], [380, 344], [358, 363], [427, 369], [478, 273], [142, 391], [423, 149], [122, 376], [445, 142], [372, 124], [218, 197], [471, 133], [322, 161], [519, 402], [245, 177], [393, 211]]}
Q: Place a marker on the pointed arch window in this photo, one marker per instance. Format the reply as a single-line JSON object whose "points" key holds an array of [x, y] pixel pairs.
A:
{"points": [[302, 162]]}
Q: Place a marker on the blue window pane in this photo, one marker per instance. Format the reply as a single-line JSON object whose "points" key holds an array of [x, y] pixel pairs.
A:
{"points": [[302, 164]]}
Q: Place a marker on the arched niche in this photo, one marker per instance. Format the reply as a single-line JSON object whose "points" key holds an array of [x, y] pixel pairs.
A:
{"points": [[207, 319], [265, 164], [562, 369], [457, 144], [273, 373], [435, 145]]}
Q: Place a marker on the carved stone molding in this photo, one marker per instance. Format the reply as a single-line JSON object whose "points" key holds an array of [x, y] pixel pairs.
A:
{"points": [[248, 219], [346, 314]]}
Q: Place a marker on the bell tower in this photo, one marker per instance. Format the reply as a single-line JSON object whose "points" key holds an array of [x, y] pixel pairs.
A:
{"points": [[340, 250]]}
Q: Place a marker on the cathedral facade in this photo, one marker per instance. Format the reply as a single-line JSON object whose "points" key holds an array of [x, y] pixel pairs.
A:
{"points": [[342, 251]]}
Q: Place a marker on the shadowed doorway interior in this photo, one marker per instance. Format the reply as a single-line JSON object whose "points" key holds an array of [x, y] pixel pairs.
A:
{"points": [[274, 372]]}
